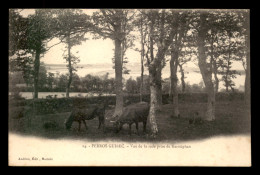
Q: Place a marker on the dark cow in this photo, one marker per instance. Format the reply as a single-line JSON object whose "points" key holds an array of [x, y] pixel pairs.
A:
{"points": [[89, 113], [133, 113]]}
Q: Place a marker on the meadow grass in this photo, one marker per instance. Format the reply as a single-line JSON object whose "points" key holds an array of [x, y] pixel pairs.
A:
{"points": [[232, 118]]}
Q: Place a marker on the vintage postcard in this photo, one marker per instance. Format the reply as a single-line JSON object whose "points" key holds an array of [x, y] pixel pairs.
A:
{"points": [[129, 87]]}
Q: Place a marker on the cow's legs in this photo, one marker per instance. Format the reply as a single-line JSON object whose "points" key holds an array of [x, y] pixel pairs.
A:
{"points": [[101, 121], [130, 129], [85, 124], [136, 125], [103, 125], [120, 126], [144, 126], [79, 125], [99, 124]]}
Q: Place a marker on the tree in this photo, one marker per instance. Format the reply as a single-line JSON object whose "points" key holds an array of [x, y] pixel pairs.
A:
{"points": [[31, 35], [218, 42], [39, 32], [187, 52], [244, 17], [223, 46], [214, 55], [126, 44], [181, 28], [76, 83], [71, 26], [131, 86], [161, 32], [24, 64], [105, 83], [42, 76], [248, 79], [116, 25], [19, 60], [142, 27], [202, 28], [145, 84], [50, 80], [62, 82], [229, 46], [18, 26]]}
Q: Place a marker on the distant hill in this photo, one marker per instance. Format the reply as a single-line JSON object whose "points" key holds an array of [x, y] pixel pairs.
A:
{"points": [[100, 69]]}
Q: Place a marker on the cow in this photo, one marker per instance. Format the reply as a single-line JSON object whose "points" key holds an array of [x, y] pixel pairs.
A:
{"points": [[133, 113], [89, 113]]}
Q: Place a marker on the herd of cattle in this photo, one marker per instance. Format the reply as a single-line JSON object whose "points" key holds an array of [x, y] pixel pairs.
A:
{"points": [[132, 114]]}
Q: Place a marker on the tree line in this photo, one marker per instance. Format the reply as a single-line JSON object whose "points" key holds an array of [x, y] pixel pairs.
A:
{"points": [[56, 82], [213, 39]]}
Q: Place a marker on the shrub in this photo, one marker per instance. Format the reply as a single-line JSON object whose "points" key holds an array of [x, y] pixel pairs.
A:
{"points": [[54, 105]]}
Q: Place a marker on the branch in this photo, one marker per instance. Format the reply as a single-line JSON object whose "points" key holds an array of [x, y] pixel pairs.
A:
{"points": [[107, 18], [53, 45], [132, 16], [244, 64], [105, 34], [51, 38], [109, 28], [147, 52], [196, 28]]}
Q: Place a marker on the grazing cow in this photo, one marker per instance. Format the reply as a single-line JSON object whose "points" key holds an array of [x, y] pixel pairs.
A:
{"points": [[133, 113], [80, 115]]}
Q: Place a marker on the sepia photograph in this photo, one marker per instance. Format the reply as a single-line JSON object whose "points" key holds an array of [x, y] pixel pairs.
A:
{"points": [[129, 87]]}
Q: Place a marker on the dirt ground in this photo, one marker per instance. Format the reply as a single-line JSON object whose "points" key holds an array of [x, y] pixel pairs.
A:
{"points": [[231, 118]]}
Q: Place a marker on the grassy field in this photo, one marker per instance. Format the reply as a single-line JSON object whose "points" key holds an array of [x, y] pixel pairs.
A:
{"points": [[231, 118]]}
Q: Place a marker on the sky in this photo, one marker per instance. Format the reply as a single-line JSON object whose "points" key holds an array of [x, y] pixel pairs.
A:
{"points": [[101, 51], [90, 52]]}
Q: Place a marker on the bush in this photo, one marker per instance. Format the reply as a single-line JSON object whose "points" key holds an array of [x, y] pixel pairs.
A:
{"points": [[57, 105], [53, 105]]}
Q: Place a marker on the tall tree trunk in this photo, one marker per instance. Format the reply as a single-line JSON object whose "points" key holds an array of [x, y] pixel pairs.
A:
{"points": [[174, 80], [142, 77], [142, 65], [155, 69], [154, 89], [215, 71], [182, 78], [153, 81], [70, 69], [227, 84], [118, 80], [214, 67], [36, 73], [142, 57], [248, 76], [159, 87], [205, 70]]}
